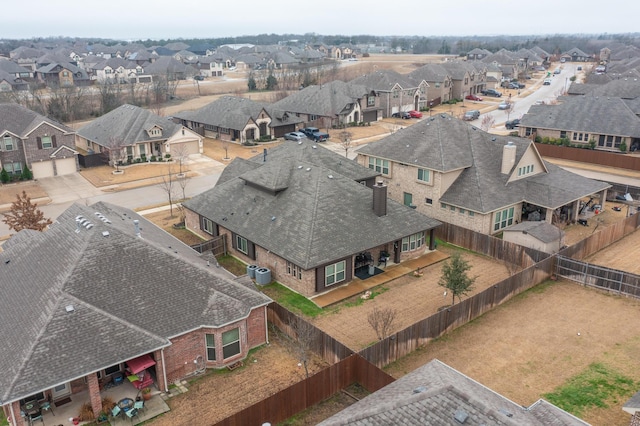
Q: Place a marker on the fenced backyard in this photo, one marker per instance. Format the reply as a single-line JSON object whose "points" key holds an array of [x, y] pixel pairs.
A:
{"points": [[365, 367]]}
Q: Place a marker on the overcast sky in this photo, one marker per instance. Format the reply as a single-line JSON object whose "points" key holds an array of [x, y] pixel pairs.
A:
{"points": [[158, 19]]}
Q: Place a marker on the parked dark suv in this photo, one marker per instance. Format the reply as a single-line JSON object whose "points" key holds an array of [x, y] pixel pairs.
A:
{"points": [[492, 92]]}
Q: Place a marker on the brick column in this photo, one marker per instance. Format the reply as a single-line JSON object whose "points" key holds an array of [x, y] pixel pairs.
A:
{"points": [[159, 370], [94, 394]]}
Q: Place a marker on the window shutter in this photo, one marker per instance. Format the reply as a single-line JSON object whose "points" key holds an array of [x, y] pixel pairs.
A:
{"points": [[53, 141], [39, 142], [251, 250], [234, 243]]}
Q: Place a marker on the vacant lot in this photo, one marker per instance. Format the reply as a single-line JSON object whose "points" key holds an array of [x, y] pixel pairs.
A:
{"points": [[530, 345]]}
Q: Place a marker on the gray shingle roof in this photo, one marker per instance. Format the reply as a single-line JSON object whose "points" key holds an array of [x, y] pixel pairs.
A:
{"points": [[591, 114], [130, 296], [385, 80], [542, 230], [327, 100], [229, 112], [433, 393], [21, 121], [444, 144], [330, 209], [128, 124]]}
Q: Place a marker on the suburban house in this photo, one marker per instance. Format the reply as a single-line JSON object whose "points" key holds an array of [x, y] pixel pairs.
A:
{"points": [[130, 133], [466, 79], [312, 217], [456, 173], [119, 292], [28, 138], [607, 124], [207, 66], [116, 70], [437, 394], [576, 55], [395, 92], [61, 75], [439, 84], [238, 120], [477, 54], [332, 104]]}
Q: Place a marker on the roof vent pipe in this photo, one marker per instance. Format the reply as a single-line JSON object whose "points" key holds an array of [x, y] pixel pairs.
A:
{"points": [[136, 224]]}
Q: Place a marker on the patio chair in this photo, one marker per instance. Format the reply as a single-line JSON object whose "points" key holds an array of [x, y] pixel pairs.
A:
{"points": [[131, 414], [46, 406], [36, 416], [139, 405], [115, 412]]}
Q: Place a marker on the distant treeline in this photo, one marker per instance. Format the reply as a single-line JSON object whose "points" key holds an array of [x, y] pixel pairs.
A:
{"points": [[455, 45]]}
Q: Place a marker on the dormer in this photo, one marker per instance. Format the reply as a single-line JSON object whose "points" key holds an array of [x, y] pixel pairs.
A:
{"points": [[154, 131]]}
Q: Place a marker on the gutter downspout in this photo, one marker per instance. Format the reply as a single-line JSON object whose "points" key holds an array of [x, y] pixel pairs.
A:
{"points": [[13, 415], [164, 371], [266, 325]]}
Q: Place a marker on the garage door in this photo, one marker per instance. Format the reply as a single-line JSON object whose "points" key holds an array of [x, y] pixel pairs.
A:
{"points": [[191, 147], [42, 169], [279, 131], [370, 116], [65, 166]]}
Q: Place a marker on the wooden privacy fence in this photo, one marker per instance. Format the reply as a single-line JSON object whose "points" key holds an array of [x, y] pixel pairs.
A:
{"points": [[601, 239], [322, 344], [217, 245], [600, 277], [490, 246], [406, 341], [305, 394], [603, 158]]}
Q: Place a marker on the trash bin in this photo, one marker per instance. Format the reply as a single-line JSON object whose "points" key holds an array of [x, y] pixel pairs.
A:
{"points": [[251, 270], [372, 270]]}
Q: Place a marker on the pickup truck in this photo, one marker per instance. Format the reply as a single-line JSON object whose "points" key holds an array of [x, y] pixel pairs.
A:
{"points": [[315, 134]]}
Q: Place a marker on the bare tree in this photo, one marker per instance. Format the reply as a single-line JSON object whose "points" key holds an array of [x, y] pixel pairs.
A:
{"points": [[169, 188], [181, 154], [23, 214], [115, 153], [345, 141], [305, 334], [487, 122], [381, 320], [225, 146], [182, 182]]}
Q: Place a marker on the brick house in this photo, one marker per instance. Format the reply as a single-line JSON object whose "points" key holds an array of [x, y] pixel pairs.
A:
{"points": [[608, 124], [394, 91], [139, 134], [28, 138], [118, 292], [308, 214], [456, 173], [439, 84]]}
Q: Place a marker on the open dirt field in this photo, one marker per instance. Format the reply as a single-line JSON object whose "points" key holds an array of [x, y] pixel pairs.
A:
{"points": [[530, 345], [622, 255]]}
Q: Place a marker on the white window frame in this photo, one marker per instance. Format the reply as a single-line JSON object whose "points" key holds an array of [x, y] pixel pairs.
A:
{"points": [[413, 242], [234, 342], [210, 344], [335, 273], [46, 145], [424, 175], [242, 244], [11, 144], [207, 225], [503, 219], [379, 165]]}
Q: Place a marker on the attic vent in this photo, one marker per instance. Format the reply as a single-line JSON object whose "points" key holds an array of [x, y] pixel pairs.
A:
{"points": [[330, 176], [299, 167], [506, 413], [420, 389], [460, 416], [70, 309], [105, 233], [308, 169], [314, 147]]}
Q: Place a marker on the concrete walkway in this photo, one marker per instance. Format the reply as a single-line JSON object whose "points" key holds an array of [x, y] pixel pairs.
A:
{"points": [[358, 286]]}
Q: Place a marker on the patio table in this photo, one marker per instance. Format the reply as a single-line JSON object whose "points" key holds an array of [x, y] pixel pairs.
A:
{"points": [[126, 404]]}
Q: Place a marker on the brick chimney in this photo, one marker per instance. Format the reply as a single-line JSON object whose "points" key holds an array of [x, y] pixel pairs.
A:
{"points": [[380, 199], [508, 158]]}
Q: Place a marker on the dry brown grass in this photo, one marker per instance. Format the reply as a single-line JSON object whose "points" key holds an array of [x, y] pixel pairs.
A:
{"points": [[10, 191], [165, 220]]}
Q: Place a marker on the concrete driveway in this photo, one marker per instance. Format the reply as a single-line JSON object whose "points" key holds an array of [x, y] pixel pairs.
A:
{"points": [[68, 188]]}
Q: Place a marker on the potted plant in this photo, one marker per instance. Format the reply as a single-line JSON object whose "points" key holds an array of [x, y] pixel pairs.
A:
{"points": [[146, 394]]}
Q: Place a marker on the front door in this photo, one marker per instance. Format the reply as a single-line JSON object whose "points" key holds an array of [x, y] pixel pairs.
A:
{"points": [[60, 391]]}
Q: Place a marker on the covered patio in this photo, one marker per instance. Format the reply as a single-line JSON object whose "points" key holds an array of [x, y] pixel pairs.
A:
{"points": [[60, 414]]}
